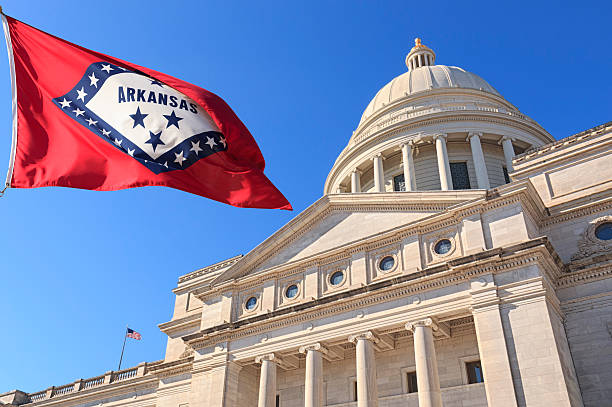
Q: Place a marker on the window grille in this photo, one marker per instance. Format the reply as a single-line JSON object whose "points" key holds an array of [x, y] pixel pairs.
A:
{"points": [[398, 183], [459, 174]]}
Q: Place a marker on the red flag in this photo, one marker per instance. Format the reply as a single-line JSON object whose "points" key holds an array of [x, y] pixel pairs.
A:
{"points": [[86, 120]]}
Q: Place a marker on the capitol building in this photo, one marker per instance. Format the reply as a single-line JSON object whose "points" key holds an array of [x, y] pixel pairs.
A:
{"points": [[459, 256]]}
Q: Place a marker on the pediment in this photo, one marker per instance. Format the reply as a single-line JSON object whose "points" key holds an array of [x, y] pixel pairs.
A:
{"points": [[335, 220]]}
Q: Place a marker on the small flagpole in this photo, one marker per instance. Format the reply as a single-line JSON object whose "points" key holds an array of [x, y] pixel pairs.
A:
{"points": [[123, 348]]}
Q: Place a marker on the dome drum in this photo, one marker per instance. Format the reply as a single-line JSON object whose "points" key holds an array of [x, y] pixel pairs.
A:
{"points": [[425, 174]]}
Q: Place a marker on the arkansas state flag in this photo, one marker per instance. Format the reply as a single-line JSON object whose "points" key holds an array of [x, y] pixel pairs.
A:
{"points": [[82, 119]]}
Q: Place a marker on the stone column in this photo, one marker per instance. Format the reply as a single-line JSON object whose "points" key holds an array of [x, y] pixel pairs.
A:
{"points": [[313, 383], [267, 380], [446, 181], [428, 381], [367, 393], [482, 177], [408, 164], [356, 181], [492, 347], [379, 174], [506, 143]]}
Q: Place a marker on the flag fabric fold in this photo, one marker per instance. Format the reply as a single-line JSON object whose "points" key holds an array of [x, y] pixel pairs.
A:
{"points": [[87, 120]]}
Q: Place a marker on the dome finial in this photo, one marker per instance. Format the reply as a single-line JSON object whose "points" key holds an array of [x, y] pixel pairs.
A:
{"points": [[420, 55]]}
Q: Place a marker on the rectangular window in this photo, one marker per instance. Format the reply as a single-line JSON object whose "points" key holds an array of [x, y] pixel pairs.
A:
{"points": [[459, 174], [355, 390], [412, 382], [506, 176], [474, 372], [278, 400], [398, 183]]}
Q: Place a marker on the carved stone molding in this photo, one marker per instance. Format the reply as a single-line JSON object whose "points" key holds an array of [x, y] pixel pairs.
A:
{"points": [[187, 352], [589, 245]]}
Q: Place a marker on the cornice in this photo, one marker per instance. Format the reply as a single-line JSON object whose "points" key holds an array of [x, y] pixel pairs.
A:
{"points": [[182, 323], [173, 368], [600, 268], [209, 269], [602, 205], [451, 273], [564, 143]]}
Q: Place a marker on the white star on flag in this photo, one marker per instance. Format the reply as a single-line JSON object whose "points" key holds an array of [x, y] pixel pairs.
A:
{"points": [[118, 142], [131, 152], [179, 158], [93, 80], [78, 112], [106, 132], [82, 94], [195, 147], [222, 141], [91, 121], [65, 103], [210, 141], [107, 68]]}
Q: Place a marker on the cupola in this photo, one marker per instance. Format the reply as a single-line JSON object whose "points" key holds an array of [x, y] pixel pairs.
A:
{"points": [[420, 55]]}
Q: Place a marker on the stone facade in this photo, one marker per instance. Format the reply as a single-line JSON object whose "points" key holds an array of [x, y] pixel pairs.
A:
{"points": [[498, 295]]}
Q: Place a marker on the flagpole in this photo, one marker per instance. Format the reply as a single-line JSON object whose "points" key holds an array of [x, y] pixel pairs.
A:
{"points": [[123, 348], [9, 47]]}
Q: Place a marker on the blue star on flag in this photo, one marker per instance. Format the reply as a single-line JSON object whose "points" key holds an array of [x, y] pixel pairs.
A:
{"points": [[173, 119], [138, 118], [155, 139]]}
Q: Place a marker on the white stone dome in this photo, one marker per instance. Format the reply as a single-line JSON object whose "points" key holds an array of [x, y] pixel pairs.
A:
{"points": [[412, 114], [423, 79]]}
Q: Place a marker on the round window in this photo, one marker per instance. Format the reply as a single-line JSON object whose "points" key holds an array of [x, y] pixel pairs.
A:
{"points": [[250, 303], [604, 231], [336, 278], [443, 246], [291, 291], [386, 263]]}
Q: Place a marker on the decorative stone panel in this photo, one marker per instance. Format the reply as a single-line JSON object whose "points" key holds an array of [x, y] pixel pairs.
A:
{"points": [[328, 270], [283, 284], [376, 256]]}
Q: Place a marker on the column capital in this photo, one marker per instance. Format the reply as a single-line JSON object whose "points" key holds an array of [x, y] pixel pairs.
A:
{"points": [[441, 136], [378, 155], [313, 346], [472, 134], [368, 335], [506, 138], [272, 357], [408, 143], [357, 171], [425, 322]]}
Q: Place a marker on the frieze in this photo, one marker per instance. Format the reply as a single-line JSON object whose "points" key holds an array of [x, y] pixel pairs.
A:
{"points": [[425, 280]]}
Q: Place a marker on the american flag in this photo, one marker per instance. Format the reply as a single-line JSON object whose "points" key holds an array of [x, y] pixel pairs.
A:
{"points": [[133, 334]]}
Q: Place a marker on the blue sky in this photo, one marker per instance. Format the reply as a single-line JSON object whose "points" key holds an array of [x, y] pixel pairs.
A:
{"points": [[77, 266]]}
